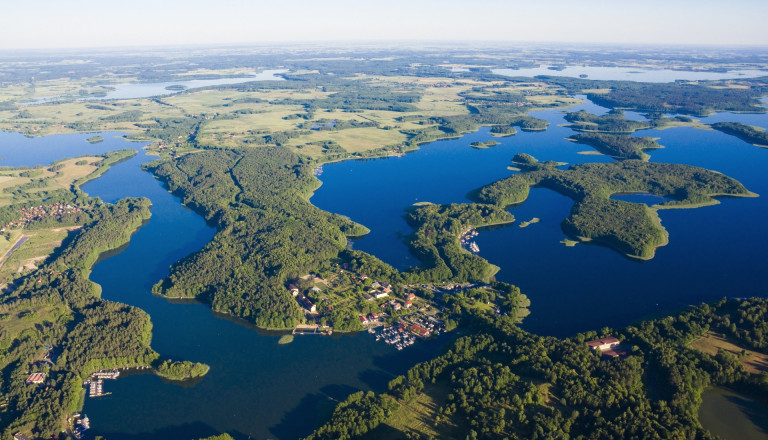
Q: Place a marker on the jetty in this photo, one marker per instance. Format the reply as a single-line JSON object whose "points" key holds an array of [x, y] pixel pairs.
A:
{"points": [[312, 329]]}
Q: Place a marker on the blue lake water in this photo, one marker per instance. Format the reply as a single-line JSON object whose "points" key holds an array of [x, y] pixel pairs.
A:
{"points": [[259, 388], [146, 90], [255, 387], [17, 150], [630, 73], [713, 252]]}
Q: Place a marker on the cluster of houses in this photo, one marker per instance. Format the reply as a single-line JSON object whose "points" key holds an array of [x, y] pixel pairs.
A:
{"points": [[28, 215], [608, 347]]}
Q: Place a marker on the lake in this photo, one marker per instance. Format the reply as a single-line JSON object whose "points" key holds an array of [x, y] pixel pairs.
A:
{"points": [[259, 388], [733, 416], [255, 387], [714, 251], [149, 89], [629, 73]]}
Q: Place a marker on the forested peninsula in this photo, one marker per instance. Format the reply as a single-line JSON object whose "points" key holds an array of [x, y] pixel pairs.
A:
{"points": [[499, 381], [631, 228], [55, 311]]}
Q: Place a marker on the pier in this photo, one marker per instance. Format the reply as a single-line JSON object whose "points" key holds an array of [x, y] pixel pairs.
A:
{"points": [[311, 329]]}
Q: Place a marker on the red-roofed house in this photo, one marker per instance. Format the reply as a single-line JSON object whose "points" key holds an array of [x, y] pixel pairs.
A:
{"points": [[603, 344], [35, 378]]}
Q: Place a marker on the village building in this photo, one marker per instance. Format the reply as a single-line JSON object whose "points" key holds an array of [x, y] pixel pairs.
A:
{"points": [[306, 303], [363, 320], [386, 287], [609, 347], [293, 289], [380, 295], [35, 378]]}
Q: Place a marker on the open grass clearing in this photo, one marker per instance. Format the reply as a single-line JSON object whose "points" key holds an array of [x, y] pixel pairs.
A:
{"points": [[753, 362]]}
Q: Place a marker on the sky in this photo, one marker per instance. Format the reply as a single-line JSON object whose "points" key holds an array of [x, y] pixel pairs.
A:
{"points": [[44, 24]]}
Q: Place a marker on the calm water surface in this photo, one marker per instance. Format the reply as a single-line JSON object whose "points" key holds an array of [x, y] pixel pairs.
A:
{"points": [[732, 416], [630, 73], [146, 90], [17, 150], [714, 251], [255, 387]]}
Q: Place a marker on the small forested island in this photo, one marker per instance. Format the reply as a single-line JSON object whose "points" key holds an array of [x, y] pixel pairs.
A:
{"points": [[181, 370], [618, 146], [480, 145], [612, 122], [95, 139], [744, 132], [631, 228]]}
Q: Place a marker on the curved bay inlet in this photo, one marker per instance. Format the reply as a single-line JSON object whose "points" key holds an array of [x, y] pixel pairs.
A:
{"points": [[714, 251], [255, 387]]}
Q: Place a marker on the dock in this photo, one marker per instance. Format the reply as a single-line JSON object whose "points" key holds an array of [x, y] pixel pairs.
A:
{"points": [[311, 329]]}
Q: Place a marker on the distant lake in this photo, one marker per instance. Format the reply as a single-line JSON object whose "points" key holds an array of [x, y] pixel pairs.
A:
{"points": [[629, 73], [714, 251], [18, 150], [149, 89]]}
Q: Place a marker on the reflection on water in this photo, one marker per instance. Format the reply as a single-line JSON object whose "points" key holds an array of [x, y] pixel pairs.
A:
{"points": [[733, 416]]}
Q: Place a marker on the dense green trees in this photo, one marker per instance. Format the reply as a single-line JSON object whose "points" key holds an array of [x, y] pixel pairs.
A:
{"points": [[631, 228], [743, 132], [87, 332], [268, 231], [618, 146], [181, 370], [436, 241], [505, 383], [611, 122]]}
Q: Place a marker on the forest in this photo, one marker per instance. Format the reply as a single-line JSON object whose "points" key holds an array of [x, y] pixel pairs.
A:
{"points": [[617, 146], [500, 382], [86, 332], [56, 309], [743, 132], [689, 98], [267, 231], [630, 228], [436, 242]]}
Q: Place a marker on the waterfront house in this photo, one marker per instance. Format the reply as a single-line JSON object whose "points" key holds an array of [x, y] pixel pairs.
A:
{"points": [[603, 344], [608, 347], [363, 320]]}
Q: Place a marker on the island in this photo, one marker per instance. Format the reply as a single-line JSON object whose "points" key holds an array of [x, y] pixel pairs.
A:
{"points": [[758, 137], [618, 146], [631, 228]]}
